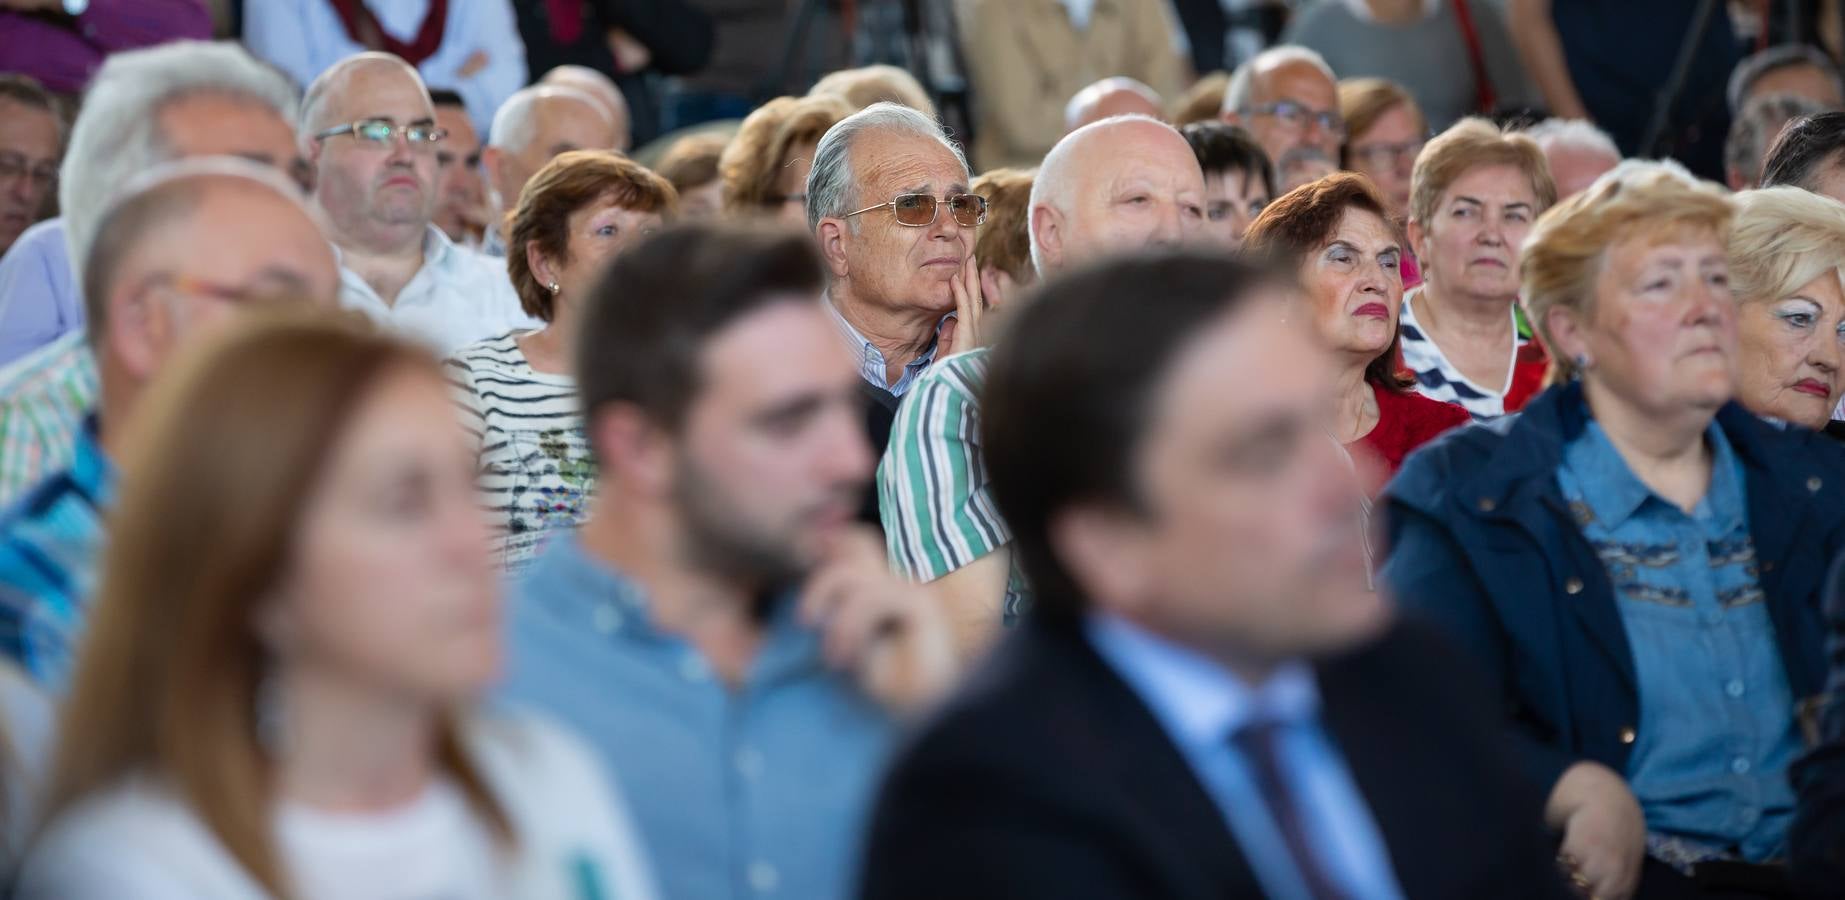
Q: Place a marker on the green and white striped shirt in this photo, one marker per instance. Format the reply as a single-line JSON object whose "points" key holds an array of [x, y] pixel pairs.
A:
{"points": [[933, 498], [44, 396]]}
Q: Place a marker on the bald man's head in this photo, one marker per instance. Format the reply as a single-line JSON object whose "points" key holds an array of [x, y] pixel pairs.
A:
{"points": [[601, 89], [340, 92], [1116, 185], [378, 196], [1109, 98], [1289, 100], [532, 127]]}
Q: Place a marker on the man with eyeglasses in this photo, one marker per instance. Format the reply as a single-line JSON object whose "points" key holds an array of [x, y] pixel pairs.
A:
{"points": [[368, 128], [31, 142], [1288, 98], [531, 128]]}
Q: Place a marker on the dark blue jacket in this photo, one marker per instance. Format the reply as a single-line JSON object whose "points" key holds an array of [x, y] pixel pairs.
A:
{"points": [[1481, 542]]}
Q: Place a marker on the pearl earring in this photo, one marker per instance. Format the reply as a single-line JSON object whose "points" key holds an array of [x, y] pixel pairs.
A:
{"points": [[1583, 362], [552, 287]]}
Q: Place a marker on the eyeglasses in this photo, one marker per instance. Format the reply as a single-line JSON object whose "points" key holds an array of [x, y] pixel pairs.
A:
{"points": [[918, 210], [13, 165], [1386, 156], [1294, 115], [420, 135]]}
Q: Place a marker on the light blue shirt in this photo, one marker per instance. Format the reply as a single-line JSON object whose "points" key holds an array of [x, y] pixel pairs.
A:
{"points": [[871, 363], [39, 301], [758, 791], [304, 38], [1202, 706]]}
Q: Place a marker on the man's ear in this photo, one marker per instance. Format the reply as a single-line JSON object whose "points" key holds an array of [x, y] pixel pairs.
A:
{"points": [[632, 447], [833, 237], [140, 329], [1047, 235]]}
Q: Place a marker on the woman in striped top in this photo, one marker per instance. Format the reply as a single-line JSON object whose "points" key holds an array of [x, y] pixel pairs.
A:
{"points": [[1474, 195], [517, 391]]}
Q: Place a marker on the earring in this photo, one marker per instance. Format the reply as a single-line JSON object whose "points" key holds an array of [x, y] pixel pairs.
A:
{"points": [[552, 287], [1583, 362]]}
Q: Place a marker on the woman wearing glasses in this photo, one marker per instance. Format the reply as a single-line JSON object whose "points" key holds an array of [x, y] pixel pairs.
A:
{"points": [[517, 391], [1475, 193]]}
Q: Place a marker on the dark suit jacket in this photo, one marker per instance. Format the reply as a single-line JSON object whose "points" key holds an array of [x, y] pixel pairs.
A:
{"points": [[1047, 777]]}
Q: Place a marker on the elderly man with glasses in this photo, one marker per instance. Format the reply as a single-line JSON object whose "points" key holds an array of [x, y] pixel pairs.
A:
{"points": [[369, 129], [1287, 97]]}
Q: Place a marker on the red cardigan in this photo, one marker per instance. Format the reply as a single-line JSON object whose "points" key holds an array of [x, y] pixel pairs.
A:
{"points": [[1405, 422]]}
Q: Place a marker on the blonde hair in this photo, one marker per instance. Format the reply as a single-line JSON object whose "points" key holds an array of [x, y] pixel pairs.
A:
{"points": [[217, 477], [1783, 238], [1468, 144], [1004, 242], [1362, 101], [866, 85], [756, 155], [1203, 101], [1568, 246]]}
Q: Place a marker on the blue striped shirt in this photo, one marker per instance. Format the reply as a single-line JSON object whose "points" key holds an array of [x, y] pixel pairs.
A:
{"points": [[50, 543]]}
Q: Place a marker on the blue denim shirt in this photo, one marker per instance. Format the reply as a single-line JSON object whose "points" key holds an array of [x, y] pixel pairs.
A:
{"points": [[1717, 728], [762, 790]]}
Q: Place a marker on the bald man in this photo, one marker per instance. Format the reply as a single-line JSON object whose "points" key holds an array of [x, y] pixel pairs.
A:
{"points": [[187, 249], [536, 124], [368, 128], [1115, 186], [1289, 100], [1108, 98], [601, 89]]}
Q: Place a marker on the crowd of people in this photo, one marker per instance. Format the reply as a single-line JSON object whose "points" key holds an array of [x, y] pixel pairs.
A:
{"points": [[420, 477]]}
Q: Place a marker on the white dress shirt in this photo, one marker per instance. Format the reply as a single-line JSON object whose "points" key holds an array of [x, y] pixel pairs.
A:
{"points": [[457, 298]]}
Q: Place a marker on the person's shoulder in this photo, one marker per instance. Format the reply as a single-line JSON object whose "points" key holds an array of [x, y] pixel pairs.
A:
{"points": [[134, 839], [530, 745], [498, 353], [962, 373], [1456, 453], [44, 240], [54, 370]]}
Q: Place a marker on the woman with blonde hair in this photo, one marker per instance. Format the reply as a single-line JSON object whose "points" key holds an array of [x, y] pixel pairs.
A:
{"points": [[1787, 265], [295, 615], [1636, 559], [765, 167]]}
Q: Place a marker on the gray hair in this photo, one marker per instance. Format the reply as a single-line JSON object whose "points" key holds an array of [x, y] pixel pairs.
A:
{"points": [[117, 135], [515, 124], [1761, 120], [1242, 87], [1576, 133], [830, 188], [1780, 56]]}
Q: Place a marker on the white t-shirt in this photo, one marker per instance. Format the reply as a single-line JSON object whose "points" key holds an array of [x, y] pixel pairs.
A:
{"points": [[574, 840]]}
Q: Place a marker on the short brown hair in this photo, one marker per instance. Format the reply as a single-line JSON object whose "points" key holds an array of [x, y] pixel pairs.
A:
{"points": [[1362, 101], [1203, 101], [1004, 242], [1305, 219], [565, 185], [1470, 143], [755, 155], [692, 161], [866, 85]]}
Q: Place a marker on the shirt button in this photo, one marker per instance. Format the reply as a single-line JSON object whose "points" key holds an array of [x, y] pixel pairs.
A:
{"points": [[763, 877], [607, 619], [1739, 765], [1814, 484], [1573, 586], [1628, 734], [1487, 504], [1734, 688], [749, 763]]}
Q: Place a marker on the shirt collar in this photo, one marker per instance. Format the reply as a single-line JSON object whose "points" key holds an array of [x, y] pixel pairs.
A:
{"points": [[872, 363], [438, 250], [1615, 494]]}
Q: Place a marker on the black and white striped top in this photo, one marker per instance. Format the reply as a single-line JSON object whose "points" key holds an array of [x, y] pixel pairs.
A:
{"points": [[1438, 379], [537, 472]]}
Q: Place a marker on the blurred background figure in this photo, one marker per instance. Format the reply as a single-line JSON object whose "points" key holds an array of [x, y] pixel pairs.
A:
{"points": [[1657, 705], [471, 47], [1288, 98], [1809, 154], [1026, 60], [517, 391], [764, 168], [60, 43], [1788, 70], [145, 108], [1386, 131], [629, 46], [1110, 97], [1454, 58], [31, 145], [600, 89], [1203, 101], [1337, 234], [178, 258], [1003, 247], [729, 640], [1787, 267], [691, 165], [866, 85], [1578, 153], [1754, 130], [1475, 194], [1816, 843], [536, 124], [1239, 181], [295, 621], [461, 204]]}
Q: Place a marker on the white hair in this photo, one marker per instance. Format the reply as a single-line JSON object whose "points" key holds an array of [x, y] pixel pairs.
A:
{"points": [[830, 188], [1577, 133], [1628, 170], [118, 136], [1058, 177], [1242, 86], [1089, 96]]}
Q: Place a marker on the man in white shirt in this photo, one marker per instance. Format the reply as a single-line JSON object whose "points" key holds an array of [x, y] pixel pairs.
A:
{"points": [[369, 130]]}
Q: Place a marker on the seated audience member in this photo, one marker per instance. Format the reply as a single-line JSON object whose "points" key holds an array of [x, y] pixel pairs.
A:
{"points": [[1787, 269], [866, 85], [1477, 191], [1336, 233], [1289, 100], [369, 129], [1026, 60], [603, 90], [1577, 151], [1120, 185], [294, 619], [535, 125], [1203, 101], [1110, 97], [61, 45], [764, 169], [729, 640], [1795, 70], [691, 166], [1387, 131], [461, 196], [1637, 559], [1207, 700], [144, 108], [31, 143], [1754, 130], [1239, 181], [517, 392], [469, 46], [1002, 246], [1809, 154], [177, 258], [1816, 840]]}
